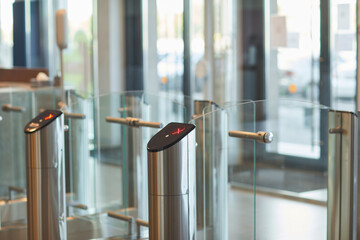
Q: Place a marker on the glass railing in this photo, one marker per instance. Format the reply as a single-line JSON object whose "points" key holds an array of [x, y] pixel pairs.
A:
{"points": [[15, 111], [79, 164], [211, 172], [107, 157], [125, 123], [261, 174], [18, 105], [277, 158], [289, 174]]}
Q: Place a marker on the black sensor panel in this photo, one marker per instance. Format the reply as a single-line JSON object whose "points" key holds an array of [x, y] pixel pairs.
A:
{"points": [[42, 120], [169, 136]]}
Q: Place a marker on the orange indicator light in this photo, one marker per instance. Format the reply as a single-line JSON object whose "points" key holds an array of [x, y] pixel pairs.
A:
{"points": [[178, 131], [49, 117]]}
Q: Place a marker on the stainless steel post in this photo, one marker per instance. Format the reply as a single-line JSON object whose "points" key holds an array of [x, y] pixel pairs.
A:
{"points": [[46, 204], [131, 192], [358, 174], [172, 188], [342, 176]]}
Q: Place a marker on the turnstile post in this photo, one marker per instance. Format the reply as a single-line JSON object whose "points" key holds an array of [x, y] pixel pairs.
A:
{"points": [[46, 205], [342, 176], [172, 189]]}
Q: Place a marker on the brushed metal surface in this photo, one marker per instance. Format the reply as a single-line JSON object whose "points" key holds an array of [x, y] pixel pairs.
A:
{"points": [[46, 216], [349, 176], [172, 191], [168, 170], [46, 206], [168, 217], [342, 179], [132, 188], [261, 137], [200, 105], [358, 167], [43, 147]]}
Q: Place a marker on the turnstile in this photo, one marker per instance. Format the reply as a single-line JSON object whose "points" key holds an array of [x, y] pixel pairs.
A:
{"points": [[45, 176], [342, 203], [172, 177]]}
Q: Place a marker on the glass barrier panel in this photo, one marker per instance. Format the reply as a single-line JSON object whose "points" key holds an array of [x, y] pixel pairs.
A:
{"points": [[79, 162], [16, 112], [242, 155], [125, 123], [108, 151], [290, 176], [45, 98], [211, 173], [6, 174]]}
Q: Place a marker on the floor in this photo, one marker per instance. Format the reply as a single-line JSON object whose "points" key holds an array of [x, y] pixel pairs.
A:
{"points": [[276, 218]]}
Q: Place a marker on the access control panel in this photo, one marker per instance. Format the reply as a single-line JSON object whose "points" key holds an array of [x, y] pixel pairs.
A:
{"points": [[169, 136], [42, 120]]}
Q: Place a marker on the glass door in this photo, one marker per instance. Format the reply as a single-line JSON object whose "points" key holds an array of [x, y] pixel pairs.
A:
{"points": [[343, 54], [297, 66], [292, 43], [170, 45]]}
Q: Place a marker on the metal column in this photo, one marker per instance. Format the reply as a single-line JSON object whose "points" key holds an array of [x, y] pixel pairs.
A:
{"points": [[172, 189], [45, 176], [342, 176]]}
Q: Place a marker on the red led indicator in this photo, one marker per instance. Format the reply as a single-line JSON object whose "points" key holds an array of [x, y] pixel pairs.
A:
{"points": [[178, 131], [49, 117]]}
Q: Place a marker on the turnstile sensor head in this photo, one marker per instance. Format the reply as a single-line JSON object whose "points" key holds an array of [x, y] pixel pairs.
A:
{"points": [[169, 136], [42, 120]]}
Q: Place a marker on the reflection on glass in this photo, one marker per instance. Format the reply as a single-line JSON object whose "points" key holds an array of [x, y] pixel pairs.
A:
{"points": [[120, 149], [79, 164], [6, 33], [306, 117], [289, 175], [211, 173], [78, 55], [170, 44], [343, 54], [293, 49]]}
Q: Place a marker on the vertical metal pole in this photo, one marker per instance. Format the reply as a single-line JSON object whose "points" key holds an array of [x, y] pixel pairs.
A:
{"points": [[342, 176], [358, 94], [172, 190], [358, 172], [131, 156], [357, 57], [45, 177]]}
